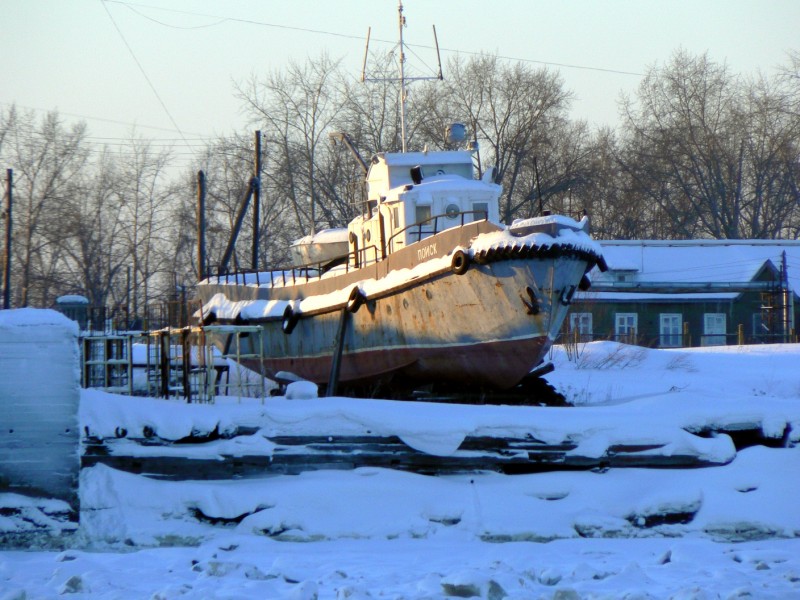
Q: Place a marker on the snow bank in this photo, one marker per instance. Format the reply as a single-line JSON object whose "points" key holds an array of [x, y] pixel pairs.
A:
{"points": [[749, 499], [730, 531], [436, 429]]}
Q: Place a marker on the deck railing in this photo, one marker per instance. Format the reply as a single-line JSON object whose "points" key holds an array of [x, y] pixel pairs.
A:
{"points": [[355, 259]]}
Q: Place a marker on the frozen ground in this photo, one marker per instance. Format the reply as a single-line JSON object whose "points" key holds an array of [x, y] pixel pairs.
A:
{"points": [[729, 531]]}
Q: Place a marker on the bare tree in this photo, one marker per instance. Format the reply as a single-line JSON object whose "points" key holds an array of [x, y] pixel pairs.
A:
{"points": [[713, 152], [144, 203], [93, 224], [513, 111], [371, 110], [771, 161], [296, 111], [46, 157]]}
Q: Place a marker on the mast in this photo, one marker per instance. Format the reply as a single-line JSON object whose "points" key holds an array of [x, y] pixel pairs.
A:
{"points": [[401, 64], [402, 60]]}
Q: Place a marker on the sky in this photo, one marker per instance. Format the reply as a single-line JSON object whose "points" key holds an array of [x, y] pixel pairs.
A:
{"points": [[167, 69]]}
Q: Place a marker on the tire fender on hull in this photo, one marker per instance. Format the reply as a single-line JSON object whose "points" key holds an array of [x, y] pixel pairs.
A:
{"points": [[355, 300], [289, 321], [460, 262]]}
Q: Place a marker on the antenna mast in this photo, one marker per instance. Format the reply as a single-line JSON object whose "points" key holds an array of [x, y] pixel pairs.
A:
{"points": [[401, 63], [402, 60]]}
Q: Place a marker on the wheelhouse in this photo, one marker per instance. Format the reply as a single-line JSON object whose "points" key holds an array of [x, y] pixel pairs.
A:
{"points": [[413, 195]]}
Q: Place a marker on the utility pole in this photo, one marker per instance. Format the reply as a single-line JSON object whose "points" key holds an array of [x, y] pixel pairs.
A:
{"points": [[7, 261], [201, 225], [786, 300], [256, 199]]}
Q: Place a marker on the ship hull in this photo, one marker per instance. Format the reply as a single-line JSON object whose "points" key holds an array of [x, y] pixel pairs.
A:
{"points": [[488, 325]]}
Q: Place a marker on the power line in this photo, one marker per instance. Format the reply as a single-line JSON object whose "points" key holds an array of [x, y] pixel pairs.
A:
{"points": [[141, 68], [222, 19], [90, 118], [144, 16]]}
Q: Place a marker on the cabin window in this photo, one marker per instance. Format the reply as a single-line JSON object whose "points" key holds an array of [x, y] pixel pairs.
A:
{"points": [[395, 218], [714, 329], [480, 211], [626, 327], [423, 213], [671, 330], [580, 326]]}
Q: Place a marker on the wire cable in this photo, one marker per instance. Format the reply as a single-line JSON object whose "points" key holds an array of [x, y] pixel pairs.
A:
{"points": [[222, 19], [141, 69]]}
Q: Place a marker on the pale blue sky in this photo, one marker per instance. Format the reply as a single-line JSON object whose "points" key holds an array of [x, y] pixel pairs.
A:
{"points": [[69, 55]]}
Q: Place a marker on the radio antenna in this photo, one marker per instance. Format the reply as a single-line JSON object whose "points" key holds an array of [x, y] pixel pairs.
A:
{"points": [[403, 80]]}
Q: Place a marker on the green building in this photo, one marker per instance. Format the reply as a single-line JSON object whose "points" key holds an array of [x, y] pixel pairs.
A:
{"points": [[669, 294]]}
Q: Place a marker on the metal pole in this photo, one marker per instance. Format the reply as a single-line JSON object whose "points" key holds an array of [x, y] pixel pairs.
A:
{"points": [[256, 200], [786, 299], [237, 226], [336, 362], [538, 186], [128, 297], [402, 60], [7, 261], [201, 225]]}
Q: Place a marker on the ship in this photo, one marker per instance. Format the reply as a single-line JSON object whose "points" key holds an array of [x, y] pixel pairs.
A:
{"points": [[424, 286]]}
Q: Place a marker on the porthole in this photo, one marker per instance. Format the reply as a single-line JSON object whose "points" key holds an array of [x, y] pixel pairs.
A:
{"points": [[452, 211], [369, 235]]}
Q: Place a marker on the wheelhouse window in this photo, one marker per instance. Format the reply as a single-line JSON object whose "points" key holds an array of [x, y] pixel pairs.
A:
{"points": [[670, 330], [714, 329], [423, 213], [626, 327], [480, 211], [423, 225]]}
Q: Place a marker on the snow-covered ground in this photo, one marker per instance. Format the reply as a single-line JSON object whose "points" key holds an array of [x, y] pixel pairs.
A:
{"points": [[726, 531]]}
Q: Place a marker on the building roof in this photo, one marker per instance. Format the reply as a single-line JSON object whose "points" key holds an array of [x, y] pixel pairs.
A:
{"points": [[690, 262]]}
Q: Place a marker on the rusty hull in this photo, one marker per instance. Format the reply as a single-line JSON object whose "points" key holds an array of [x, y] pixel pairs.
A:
{"points": [[480, 327]]}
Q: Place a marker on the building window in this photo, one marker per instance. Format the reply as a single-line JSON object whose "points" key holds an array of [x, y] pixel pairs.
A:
{"points": [[714, 329], [671, 330], [626, 327], [580, 326]]}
